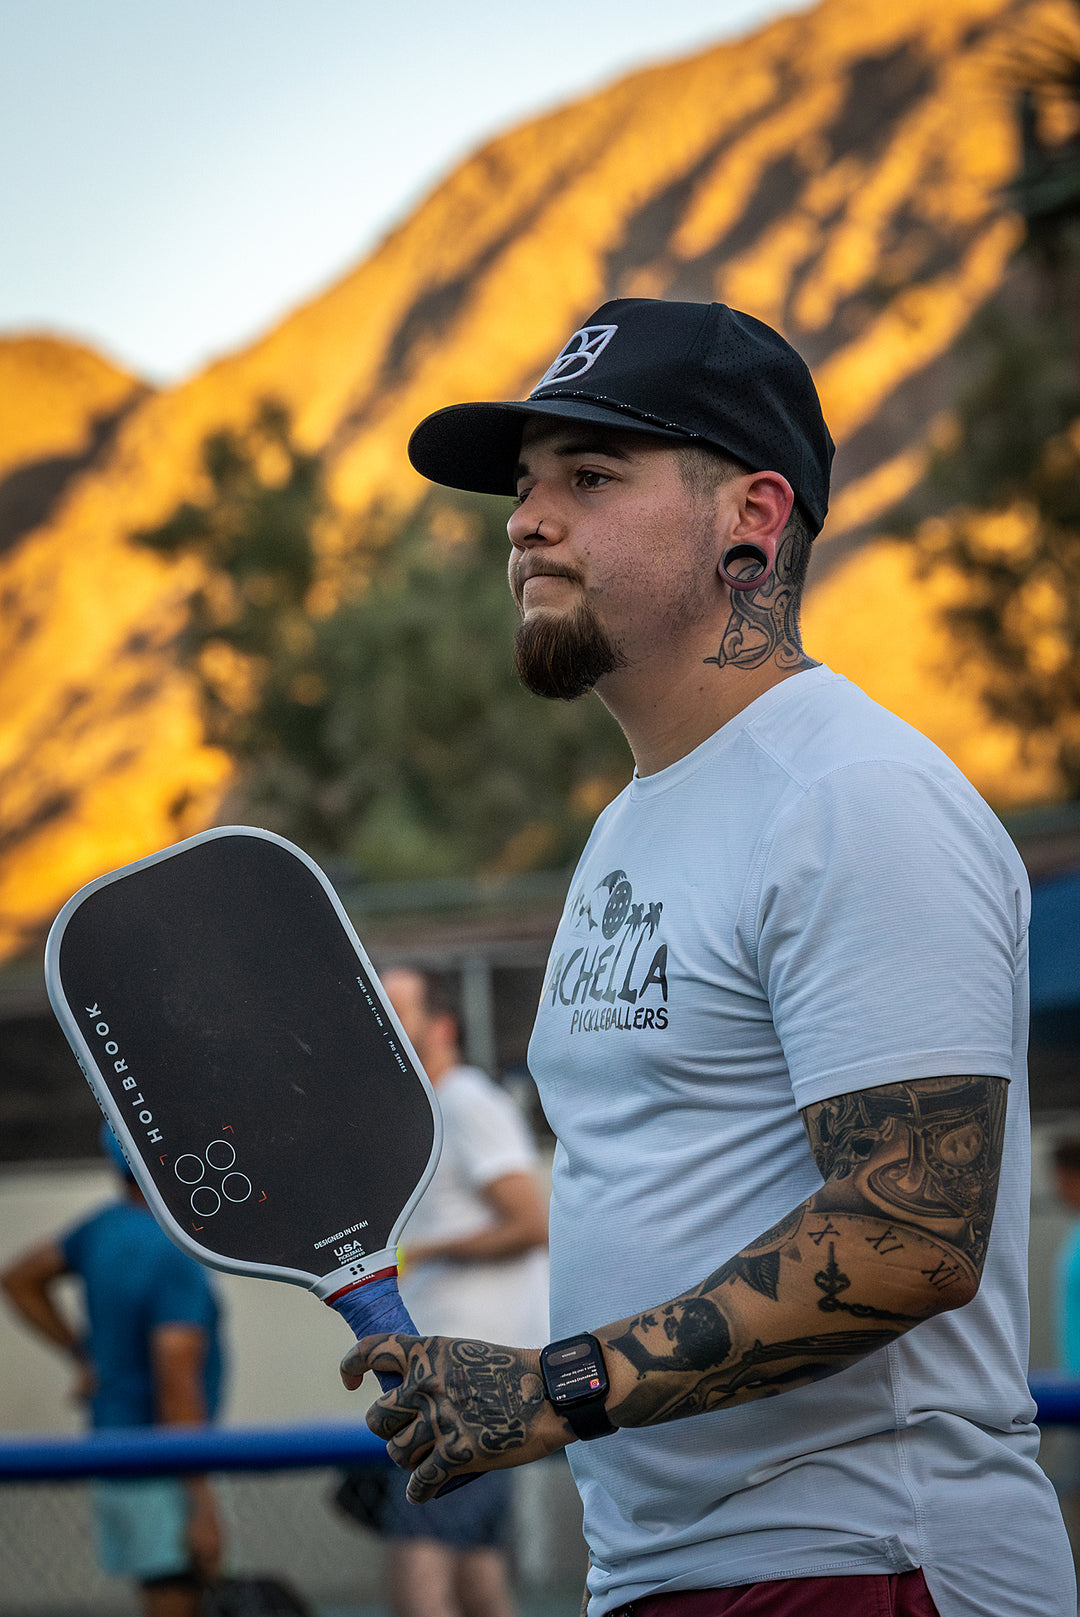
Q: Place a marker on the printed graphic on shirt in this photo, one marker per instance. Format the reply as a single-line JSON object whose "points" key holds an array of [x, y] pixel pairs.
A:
{"points": [[610, 966]]}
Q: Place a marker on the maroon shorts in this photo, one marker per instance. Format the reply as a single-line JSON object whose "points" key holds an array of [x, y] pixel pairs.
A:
{"points": [[899, 1594]]}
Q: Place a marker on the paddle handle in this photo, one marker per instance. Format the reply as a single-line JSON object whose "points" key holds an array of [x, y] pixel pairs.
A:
{"points": [[377, 1308], [374, 1310]]}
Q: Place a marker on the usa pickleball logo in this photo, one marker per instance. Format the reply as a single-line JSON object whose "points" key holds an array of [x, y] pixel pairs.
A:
{"points": [[578, 356]]}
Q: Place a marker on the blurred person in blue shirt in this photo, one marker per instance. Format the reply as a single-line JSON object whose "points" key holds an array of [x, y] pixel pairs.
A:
{"points": [[1066, 1470], [150, 1355], [1066, 1161]]}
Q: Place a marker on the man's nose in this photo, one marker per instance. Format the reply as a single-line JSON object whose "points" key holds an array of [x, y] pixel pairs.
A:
{"points": [[532, 523]]}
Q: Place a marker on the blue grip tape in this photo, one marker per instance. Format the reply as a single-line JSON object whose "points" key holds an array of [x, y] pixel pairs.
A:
{"points": [[374, 1309], [377, 1308]]}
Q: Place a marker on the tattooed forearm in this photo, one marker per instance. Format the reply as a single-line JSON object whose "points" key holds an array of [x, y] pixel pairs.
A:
{"points": [[762, 1370], [897, 1234], [764, 623]]}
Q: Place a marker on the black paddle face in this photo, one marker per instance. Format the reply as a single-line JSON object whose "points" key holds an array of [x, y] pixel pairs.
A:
{"points": [[249, 1054]]}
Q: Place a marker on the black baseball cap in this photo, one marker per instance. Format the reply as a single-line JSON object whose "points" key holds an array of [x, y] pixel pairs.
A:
{"points": [[682, 371]]}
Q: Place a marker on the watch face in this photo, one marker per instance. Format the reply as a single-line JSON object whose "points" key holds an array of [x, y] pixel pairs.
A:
{"points": [[574, 1370]]}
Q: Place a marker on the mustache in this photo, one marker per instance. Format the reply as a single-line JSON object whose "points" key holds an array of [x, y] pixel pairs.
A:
{"points": [[530, 567]]}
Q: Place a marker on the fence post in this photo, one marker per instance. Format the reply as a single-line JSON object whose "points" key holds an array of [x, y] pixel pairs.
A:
{"points": [[478, 1012]]}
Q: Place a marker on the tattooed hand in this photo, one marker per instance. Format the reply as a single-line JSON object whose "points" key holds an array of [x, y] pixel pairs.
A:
{"points": [[462, 1406]]}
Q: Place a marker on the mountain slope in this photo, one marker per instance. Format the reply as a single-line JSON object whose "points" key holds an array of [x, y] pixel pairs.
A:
{"points": [[837, 173], [60, 407]]}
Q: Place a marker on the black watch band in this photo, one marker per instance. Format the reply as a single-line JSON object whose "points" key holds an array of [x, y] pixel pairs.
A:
{"points": [[588, 1421], [576, 1384]]}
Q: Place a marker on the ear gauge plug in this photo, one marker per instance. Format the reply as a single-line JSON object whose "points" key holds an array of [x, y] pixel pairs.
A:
{"points": [[762, 558]]}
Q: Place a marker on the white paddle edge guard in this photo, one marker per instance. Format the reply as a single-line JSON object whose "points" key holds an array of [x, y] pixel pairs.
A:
{"points": [[354, 1274], [322, 1285]]}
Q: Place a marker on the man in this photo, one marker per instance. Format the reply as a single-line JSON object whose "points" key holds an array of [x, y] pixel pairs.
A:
{"points": [[781, 1042], [474, 1260], [151, 1356]]}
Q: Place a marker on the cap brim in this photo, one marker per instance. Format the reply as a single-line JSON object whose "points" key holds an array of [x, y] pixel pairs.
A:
{"points": [[478, 446]]}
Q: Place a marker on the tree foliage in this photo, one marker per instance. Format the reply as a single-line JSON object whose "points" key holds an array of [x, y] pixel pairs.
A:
{"points": [[1001, 506], [391, 730], [1017, 621]]}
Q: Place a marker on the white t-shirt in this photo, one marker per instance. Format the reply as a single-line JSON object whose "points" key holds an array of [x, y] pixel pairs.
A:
{"points": [[501, 1300], [814, 901]]}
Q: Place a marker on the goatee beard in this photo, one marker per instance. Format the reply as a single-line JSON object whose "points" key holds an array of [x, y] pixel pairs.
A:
{"points": [[563, 655]]}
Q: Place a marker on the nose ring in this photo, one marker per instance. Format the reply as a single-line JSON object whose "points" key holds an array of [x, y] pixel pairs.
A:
{"points": [[764, 561]]}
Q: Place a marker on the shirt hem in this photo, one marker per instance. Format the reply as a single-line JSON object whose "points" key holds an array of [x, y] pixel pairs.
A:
{"points": [[882, 1557], [902, 1069]]}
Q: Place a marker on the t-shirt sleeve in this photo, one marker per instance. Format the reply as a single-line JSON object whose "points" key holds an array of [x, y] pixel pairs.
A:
{"points": [[181, 1294], [491, 1135], [888, 924]]}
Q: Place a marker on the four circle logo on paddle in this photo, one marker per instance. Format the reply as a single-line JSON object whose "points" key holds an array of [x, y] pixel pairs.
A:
{"points": [[206, 1198], [618, 905]]}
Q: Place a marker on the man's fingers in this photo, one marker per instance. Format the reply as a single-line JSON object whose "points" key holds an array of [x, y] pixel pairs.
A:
{"points": [[427, 1479], [408, 1455], [386, 1355], [386, 1417]]}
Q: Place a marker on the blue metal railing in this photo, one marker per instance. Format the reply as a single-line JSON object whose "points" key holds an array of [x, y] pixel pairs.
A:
{"points": [[141, 1451], [1058, 1398], [144, 1451]]}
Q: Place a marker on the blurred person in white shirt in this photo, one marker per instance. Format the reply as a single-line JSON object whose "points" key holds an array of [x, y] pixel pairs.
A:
{"points": [[473, 1264]]}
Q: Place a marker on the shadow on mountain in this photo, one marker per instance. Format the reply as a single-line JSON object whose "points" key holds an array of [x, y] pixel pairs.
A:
{"points": [[30, 493]]}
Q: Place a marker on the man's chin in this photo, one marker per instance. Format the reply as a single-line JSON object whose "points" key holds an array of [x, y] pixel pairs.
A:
{"points": [[562, 655]]}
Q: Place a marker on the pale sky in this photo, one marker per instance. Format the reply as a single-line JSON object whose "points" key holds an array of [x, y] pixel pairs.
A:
{"points": [[175, 175]]}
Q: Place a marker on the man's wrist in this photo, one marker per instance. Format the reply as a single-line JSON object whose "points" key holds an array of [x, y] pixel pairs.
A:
{"points": [[576, 1385]]}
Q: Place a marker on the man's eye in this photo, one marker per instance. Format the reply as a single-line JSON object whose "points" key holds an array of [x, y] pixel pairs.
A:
{"points": [[593, 479]]}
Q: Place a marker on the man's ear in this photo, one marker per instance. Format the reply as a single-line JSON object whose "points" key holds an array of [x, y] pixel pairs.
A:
{"points": [[765, 508], [764, 503]]}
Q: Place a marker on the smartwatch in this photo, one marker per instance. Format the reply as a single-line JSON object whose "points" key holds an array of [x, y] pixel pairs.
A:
{"points": [[576, 1384]]}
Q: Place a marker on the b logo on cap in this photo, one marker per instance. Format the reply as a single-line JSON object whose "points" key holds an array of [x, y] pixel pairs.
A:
{"points": [[579, 355]]}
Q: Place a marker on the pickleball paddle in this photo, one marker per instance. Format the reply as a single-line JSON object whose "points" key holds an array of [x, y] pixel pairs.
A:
{"points": [[231, 1026]]}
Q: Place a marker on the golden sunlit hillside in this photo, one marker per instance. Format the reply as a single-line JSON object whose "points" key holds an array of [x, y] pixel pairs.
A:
{"points": [[58, 400], [838, 173]]}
